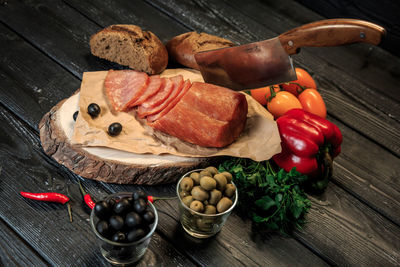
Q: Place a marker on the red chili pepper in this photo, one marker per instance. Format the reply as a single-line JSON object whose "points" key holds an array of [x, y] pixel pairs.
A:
{"points": [[152, 199], [309, 143], [86, 197], [48, 196]]}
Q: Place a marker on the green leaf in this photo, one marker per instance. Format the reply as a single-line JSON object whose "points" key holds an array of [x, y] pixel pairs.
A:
{"points": [[265, 203]]}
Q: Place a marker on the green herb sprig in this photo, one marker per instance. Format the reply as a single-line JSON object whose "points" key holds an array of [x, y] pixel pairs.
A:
{"points": [[273, 199]]}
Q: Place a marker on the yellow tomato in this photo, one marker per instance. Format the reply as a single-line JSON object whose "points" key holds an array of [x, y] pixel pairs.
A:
{"points": [[311, 100], [262, 94], [283, 101]]}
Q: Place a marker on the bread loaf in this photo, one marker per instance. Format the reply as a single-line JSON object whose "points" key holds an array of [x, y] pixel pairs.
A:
{"points": [[128, 45], [182, 48]]}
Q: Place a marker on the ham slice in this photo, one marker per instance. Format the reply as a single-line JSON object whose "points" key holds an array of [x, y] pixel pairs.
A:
{"points": [[123, 87], [177, 82], [182, 92], [154, 86], [203, 117]]}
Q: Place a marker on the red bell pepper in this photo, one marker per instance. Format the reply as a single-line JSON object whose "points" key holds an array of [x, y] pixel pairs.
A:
{"points": [[309, 143]]}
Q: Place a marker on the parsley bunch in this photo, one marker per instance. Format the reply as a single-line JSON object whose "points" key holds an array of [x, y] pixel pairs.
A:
{"points": [[272, 199]]}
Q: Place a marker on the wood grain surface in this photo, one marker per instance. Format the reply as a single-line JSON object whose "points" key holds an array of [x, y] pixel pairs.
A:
{"points": [[44, 52]]}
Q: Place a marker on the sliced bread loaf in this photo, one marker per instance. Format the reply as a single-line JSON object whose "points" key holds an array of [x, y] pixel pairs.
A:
{"points": [[128, 45], [182, 48]]}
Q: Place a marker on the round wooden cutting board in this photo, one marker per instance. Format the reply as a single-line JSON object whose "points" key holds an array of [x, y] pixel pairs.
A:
{"points": [[106, 164]]}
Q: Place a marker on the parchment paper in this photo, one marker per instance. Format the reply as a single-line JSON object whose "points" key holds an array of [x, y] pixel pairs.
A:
{"points": [[259, 141]]}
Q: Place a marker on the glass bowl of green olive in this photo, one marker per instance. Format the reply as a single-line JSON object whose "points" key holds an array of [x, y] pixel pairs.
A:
{"points": [[206, 199]]}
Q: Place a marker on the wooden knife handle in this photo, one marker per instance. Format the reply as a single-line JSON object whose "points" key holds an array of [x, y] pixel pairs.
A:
{"points": [[331, 32]]}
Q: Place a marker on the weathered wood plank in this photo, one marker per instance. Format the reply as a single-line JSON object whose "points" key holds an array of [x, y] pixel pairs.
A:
{"points": [[348, 233], [384, 13], [15, 252], [31, 83], [45, 226]]}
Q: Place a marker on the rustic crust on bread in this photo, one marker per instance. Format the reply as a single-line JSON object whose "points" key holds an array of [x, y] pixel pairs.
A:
{"points": [[182, 48], [57, 145], [128, 45]]}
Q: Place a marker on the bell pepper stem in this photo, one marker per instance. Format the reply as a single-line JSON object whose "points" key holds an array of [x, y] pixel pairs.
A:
{"points": [[327, 162]]}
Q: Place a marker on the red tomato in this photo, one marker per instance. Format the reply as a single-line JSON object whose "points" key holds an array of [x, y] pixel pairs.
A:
{"points": [[282, 102], [312, 101], [263, 93], [304, 81]]}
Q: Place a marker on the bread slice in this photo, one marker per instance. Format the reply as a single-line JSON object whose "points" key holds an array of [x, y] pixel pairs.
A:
{"points": [[182, 48], [128, 45]]}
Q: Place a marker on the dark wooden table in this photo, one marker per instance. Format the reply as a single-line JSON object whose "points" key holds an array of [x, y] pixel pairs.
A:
{"points": [[44, 48]]}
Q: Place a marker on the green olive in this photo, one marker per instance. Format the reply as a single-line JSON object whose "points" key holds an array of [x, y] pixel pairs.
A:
{"points": [[196, 177], [228, 176], [187, 200], [224, 204], [210, 209], [215, 197], [183, 194], [221, 181], [199, 193], [197, 206], [212, 170], [230, 190], [208, 183], [205, 224], [186, 184], [205, 173]]}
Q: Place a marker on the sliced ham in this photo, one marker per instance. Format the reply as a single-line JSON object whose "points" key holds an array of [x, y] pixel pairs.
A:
{"points": [[158, 98], [182, 92], [124, 87], [203, 119], [154, 86], [177, 82]]}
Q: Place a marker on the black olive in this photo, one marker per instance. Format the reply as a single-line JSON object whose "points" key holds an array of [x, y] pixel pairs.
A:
{"points": [[75, 115], [148, 217], [93, 110], [111, 202], [103, 228], [102, 210], [133, 219], [116, 222], [114, 129], [118, 237], [139, 194], [140, 205], [136, 235], [122, 206]]}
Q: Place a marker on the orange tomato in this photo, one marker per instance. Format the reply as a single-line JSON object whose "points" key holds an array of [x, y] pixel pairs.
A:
{"points": [[263, 93], [311, 100], [304, 80], [283, 101]]}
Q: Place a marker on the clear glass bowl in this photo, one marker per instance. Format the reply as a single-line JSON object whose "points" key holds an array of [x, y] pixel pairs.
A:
{"points": [[123, 253], [198, 224]]}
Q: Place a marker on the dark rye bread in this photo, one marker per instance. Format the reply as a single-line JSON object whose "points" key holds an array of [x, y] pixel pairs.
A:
{"points": [[182, 48], [128, 45]]}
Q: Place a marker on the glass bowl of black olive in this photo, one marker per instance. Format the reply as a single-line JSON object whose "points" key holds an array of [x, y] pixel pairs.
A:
{"points": [[124, 224], [206, 199]]}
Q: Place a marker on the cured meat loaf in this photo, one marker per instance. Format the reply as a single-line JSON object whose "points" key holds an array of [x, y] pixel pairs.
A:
{"points": [[199, 113], [207, 115]]}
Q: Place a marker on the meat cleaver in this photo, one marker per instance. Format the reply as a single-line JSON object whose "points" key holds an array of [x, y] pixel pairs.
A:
{"points": [[268, 62]]}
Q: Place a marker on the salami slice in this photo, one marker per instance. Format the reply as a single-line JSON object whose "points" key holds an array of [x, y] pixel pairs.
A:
{"points": [[177, 84], [123, 87], [154, 86], [182, 92]]}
